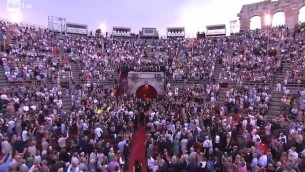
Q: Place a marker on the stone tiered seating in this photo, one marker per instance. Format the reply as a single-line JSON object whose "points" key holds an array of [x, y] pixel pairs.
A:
{"points": [[275, 105]]}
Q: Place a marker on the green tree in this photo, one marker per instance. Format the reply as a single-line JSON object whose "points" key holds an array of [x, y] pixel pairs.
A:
{"points": [[98, 32]]}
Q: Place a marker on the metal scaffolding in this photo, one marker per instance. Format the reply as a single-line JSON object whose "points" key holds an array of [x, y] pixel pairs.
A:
{"points": [[57, 24]]}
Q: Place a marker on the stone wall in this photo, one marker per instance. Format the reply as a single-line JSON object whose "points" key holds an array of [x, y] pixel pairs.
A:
{"points": [[291, 9], [137, 79]]}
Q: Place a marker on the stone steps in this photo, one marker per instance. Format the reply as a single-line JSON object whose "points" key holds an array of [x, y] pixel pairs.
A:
{"points": [[67, 102], [275, 105], [217, 71], [75, 72], [221, 95], [3, 80]]}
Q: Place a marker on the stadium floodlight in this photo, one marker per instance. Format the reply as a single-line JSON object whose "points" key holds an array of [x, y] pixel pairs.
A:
{"points": [[268, 20], [103, 27], [16, 17]]}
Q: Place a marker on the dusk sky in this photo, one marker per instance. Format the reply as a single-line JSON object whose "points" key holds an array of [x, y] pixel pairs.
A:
{"points": [[194, 15]]}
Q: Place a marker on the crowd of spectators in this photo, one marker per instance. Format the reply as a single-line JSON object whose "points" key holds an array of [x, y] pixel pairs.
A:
{"points": [[195, 60], [33, 53], [252, 99], [295, 74], [293, 104], [251, 59], [208, 140], [37, 135], [292, 50], [214, 140], [187, 129], [31, 100]]}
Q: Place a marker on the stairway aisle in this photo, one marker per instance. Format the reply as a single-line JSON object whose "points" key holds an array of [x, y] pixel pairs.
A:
{"points": [[3, 80], [275, 103], [218, 65], [75, 72], [66, 100], [221, 96], [138, 149], [217, 71]]}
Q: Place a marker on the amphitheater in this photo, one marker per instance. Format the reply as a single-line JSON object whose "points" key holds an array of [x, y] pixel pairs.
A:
{"points": [[76, 101]]}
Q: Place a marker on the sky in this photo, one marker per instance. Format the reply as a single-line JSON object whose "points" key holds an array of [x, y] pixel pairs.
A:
{"points": [[194, 15]]}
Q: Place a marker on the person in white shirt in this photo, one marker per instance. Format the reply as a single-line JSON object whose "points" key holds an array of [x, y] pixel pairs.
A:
{"points": [[213, 99], [283, 137], [11, 124], [150, 163], [62, 141], [292, 155], [207, 143], [245, 123], [6, 147], [176, 91], [170, 93], [203, 164], [98, 132], [121, 146], [287, 91], [131, 114], [256, 138], [278, 86], [171, 127], [85, 126], [63, 128], [217, 139], [24, 135], [262, 162]]}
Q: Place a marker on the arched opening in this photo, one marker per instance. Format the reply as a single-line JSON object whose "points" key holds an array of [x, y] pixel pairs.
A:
{"points": [[255, 23], [278, 19], [302, 14], [146, 92]]}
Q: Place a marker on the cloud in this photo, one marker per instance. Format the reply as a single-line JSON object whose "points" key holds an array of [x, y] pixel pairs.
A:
{"points": [[197, 14]]}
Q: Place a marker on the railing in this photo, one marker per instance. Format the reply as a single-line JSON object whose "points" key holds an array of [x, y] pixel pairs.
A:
{"points": [[189, 81], [111, 81], [301, 85], [33, 83], [262, 82]]}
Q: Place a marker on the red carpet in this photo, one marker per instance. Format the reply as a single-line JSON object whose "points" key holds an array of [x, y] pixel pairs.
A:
{"points": [[138, 149]]}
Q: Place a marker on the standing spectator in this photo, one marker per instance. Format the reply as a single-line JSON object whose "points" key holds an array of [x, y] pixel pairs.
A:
{"points": [[137, 167]]}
